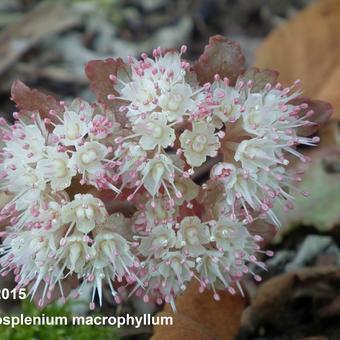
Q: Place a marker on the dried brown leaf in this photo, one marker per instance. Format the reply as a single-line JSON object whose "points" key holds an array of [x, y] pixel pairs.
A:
{"points": [[200, 316], [274, 295], [308, 48]]}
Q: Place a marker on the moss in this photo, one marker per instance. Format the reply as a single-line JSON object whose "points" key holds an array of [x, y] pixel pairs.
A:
{"points": [[57, 332]]}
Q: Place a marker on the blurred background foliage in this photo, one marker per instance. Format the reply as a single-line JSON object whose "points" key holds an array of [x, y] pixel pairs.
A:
{"points": [[48, 42]]}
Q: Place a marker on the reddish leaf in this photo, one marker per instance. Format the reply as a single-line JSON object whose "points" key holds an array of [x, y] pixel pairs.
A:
{"points": [[260, 77], [322, 113], [221, 56], [98, 73], [32, 100]]}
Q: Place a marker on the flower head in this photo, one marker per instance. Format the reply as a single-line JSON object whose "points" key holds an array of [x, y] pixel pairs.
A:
{"points": [[156, 184]]}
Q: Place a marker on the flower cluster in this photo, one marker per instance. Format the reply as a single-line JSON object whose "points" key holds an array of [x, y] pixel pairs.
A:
{"points": [[52, 234], [143, 145]]}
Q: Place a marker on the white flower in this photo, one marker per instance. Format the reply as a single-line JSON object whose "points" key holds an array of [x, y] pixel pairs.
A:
{"points": [[175, 270], [244, 188], [101, 127], [156, 172], [166, 277], [225, 173], [75, 253], [156, 86], [27, 185], [192, 235], [230, 236], [56, 169], [27, 143], [226, 107], [176, 266], [155, 132], [236, 248], [112, 250], [141, 92], [256, 153], [24, 178], [112, 262], [85, 211], [158, 242], [170, 61], [158, 211], [212, 267], [187, 188], [254, 114], [31, 255], [131, 161], [50, 217], [199, 143], [74, 123], [262, 112], [177, 102], [220, 271], [131, 156], [88, 158]]}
